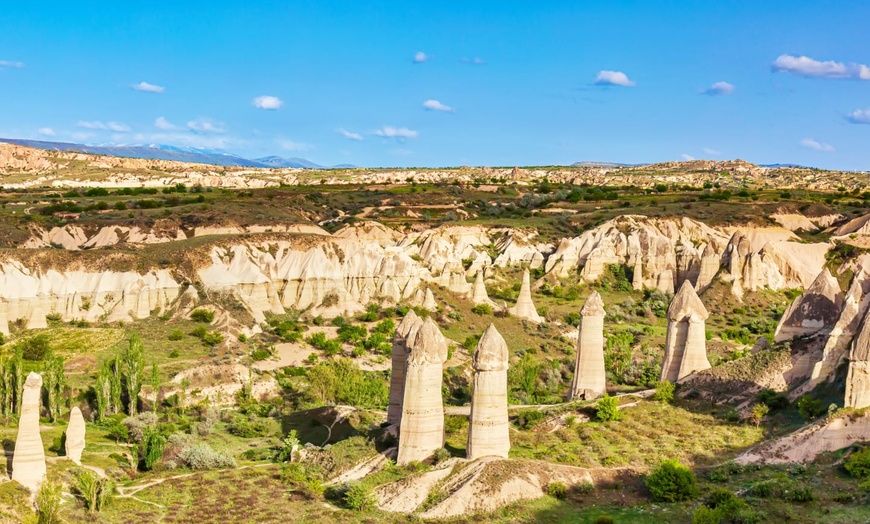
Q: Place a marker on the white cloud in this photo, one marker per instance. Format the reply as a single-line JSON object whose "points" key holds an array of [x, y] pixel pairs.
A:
{"points": [[117, 127], [435, 105], [46, 131], [267, 102], [712, 152], [859, 116], [809, 143], [82, 136], [719, 88], [291, 145], [145, 87], [349, 134], [204, 125], [474, 61], [420, 57], [613, 78], [806, 66], [162, 123], [399, 133], [11, 63], [684, 156]]}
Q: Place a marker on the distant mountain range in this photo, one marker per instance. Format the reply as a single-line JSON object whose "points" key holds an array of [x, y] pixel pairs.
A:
{"points": [[179, 154]]}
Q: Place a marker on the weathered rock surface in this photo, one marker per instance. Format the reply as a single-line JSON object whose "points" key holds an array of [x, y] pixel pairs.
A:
{"points": [[858, 379], [404, 331], [525, 308], [488, 428], [75, 436], [421, 431], [685, 343], [479, 295], [815, 311], [589, 373], [28, 460]]}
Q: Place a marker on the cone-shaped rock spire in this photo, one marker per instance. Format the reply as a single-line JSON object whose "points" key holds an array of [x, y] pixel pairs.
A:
{"points": [[816, 310], [421, 431], [28, 460], [709, 267], [589, 375], [479, 295], [525, 308], [488, 431], [685, 343]]}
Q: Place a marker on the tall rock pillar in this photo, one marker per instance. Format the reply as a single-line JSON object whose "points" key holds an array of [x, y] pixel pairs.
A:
{"points": [[421, 431], [409, 324], [858, 378], [28, 460], [589, 375], [685, 342], [75, 436], [488, 430]]}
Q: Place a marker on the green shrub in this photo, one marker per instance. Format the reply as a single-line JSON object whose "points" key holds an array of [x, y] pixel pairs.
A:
{"points": [[48, 503], [706, 515], [810, 408], [96, 492], [482, 309], [359, 497], [260, 354], [529, 418], [35, 348], [772, 399], [672, 482], [858, 464], [664, 391], [557, 490], [607, 409], [251, 427], [212, 338], [201, 456], [176, 334], [202, 315]]}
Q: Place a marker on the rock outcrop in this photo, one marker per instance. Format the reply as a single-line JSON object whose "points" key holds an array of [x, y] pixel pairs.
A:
{"points": [[421, 431], [858, 378], [685, 343], [710, 263], [589, 374], [479, 295], [525, 308], [404, 331], [488, 429], [28, 460], [815, 311], [75, 436]]}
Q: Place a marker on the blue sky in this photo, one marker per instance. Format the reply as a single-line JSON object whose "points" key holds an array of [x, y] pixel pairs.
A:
{"points": [[446, 83]]}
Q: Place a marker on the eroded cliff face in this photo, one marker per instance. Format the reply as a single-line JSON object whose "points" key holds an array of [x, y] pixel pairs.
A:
{"points": [[305, 268]]}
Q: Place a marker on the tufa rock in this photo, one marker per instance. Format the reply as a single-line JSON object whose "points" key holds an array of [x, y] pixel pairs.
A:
{"points": [[525, 308], [488, 430], [406, 327], [28, 460], [589, 373], [479, 295], [685, 343], [421, 427], [815, 311], [75, 436], [858, 378]]}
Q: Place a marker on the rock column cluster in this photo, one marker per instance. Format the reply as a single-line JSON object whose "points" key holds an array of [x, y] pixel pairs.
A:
{"points": [[858, 378], [685, 343], [421, 429], [488, 431], [589, 374], [28, 460]]}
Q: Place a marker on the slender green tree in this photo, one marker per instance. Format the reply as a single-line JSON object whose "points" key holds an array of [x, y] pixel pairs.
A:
{"points": [[54, 382], [18, 376], [155, 385], [103, 389], [133, 365], [115, 391], [7, 387]]}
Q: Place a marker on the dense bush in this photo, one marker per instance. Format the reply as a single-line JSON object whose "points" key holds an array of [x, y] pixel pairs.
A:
{"points": [[810, 407], [251, 427], [202, 315], [672, 482], [529, 418], [35, 348], [359, 497], [607, 409], [482, 309], [557, 490], [858, 464], [772, 399], [664, 391], [202, 456], [176, 334]]}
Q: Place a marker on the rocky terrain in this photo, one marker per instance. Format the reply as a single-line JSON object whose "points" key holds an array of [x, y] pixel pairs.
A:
{"points": [[515, 344]]}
